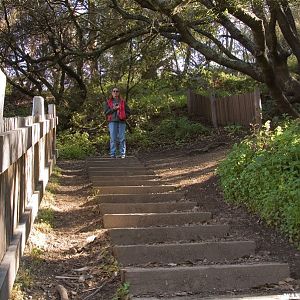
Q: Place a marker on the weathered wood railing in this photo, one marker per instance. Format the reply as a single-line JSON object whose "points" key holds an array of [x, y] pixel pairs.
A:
{"points": [[27, 156]]}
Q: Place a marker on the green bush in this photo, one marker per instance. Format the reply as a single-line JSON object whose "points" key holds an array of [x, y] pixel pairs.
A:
{"points": [[74, 145], [178, 130], [221, 83], [138, 140], [263, 173]]}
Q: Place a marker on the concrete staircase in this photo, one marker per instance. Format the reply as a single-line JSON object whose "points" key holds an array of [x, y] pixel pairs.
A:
{"points": [[164, 244]]}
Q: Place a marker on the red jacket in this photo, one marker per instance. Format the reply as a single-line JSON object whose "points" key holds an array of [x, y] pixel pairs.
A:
{"points": [[120, 112]]}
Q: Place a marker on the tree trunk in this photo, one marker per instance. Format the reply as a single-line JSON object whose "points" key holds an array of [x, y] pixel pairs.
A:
{"points": [[282, 102]]}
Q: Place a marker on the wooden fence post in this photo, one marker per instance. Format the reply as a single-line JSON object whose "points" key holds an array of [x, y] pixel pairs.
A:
{"points": [[38, 113], [52, 113], [212, 98], [52, 110], [38, 110], [257, 107], [2, 95]]}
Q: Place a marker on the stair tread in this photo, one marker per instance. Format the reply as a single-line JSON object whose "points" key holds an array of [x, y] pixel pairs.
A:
{"points": [[191, 252]]}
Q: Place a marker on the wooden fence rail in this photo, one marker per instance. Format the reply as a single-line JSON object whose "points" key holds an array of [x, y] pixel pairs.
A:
{"points": [[240, 109], [27, 156]]}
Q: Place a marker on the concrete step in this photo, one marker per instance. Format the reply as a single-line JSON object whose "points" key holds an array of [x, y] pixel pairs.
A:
{"points": [[130, 182], [124, 178], [141, 198], [114, 164], [122, 172], [197, 279], [108, 158], [180, 253], [135, 189], [111, 161], [116, 168], [130, 208], [283, 296], [155, 219], [131, 236]]}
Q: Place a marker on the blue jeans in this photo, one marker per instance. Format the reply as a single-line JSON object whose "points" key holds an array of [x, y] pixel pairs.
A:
{"points": [[117, 134]]}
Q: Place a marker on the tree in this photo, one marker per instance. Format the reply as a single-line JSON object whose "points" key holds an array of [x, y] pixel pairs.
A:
{"points": [[58, 46], [51, 46], [264, 31]]}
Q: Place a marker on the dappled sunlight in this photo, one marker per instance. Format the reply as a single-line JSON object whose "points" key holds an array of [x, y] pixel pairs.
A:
{"points": [[187, 162], [71, 175], [72, 190], [195, 175], [192, 181], [184, 177], [79, 265], [184, 170], [38, 239], [56, 243]]}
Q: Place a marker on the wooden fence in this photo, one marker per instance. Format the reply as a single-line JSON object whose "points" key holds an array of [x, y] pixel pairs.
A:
{"points": [[240, 109], [27, 156]]}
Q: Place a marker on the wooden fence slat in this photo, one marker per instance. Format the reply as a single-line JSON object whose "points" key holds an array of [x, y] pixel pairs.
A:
{"points": [[213, 108], [220, 111], [227, 109], [248, 108], [242, 113], [238, 109], [257, 108]]}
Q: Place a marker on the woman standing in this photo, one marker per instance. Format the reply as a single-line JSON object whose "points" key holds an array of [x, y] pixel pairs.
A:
{"points": [[117, 111]]}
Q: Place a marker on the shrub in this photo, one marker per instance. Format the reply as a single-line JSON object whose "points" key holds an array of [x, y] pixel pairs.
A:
{"points": [[263, 173], [74, 145], [177, 130], [138, 140]]}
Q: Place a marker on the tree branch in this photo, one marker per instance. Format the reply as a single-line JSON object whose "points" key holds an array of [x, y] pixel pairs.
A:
{"points": [[287, 27]]}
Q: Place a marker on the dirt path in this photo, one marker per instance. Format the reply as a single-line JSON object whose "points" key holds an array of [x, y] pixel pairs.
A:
{"points": [[76, 252]]}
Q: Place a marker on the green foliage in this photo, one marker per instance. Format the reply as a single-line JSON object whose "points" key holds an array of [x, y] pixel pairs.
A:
{"points": [[234, 129], [263, 173], [292, 64], [122, 292], [101, 141], [46, 216], [164, 132], [159, 116], [179, 130], [36, 255], [222, 83], [25, 277], [12, 110], [24, 280], [74, 145], [53, 182], [139, 139], [156, 97]]}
